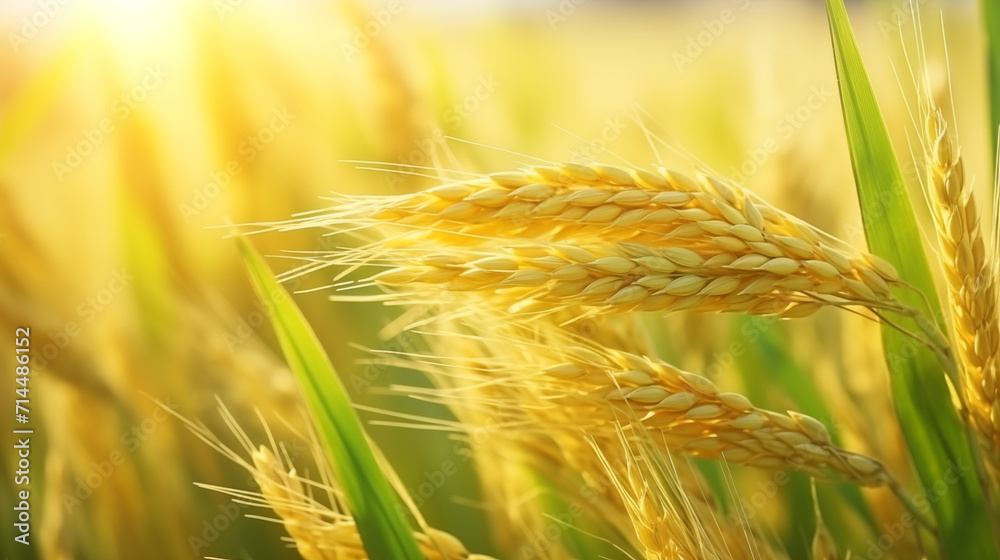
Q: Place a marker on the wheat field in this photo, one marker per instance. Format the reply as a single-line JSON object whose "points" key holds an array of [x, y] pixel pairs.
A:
{"points": [[570, 279]]}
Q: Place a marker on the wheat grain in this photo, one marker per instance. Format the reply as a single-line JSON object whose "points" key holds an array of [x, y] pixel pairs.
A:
{"points": [[592, 240], [661, 241], [669, 517], [320, 533], [318, 530], [625, 276], [572, 383], [972, 285], [511, 457], [694, 417], [673, 508]]}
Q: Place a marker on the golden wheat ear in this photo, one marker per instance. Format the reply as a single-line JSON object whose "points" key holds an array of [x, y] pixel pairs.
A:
{"points": [[666, 503], [574, 382], [970, 272], [321, 533], [611, 239], [319, 526]]}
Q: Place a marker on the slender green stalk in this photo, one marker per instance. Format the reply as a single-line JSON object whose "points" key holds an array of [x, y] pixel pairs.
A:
{"points": [[368, 493]]}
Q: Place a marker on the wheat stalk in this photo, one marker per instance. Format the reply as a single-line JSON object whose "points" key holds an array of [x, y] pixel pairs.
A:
{"points": [[824, 547]]}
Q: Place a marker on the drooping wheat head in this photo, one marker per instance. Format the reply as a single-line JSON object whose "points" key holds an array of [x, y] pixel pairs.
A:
{"points": [[670, 516], [515, 258], [587, 462], [320, 529], [609, 239], [574, 384], [321, 533]]}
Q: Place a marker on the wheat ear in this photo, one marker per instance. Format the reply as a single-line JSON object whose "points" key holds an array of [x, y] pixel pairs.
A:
{"points": [[572, 383], [669, 517], [646, 499], [692, 416], [972, 286], [624, 277], [320, 533], [660, 240]]}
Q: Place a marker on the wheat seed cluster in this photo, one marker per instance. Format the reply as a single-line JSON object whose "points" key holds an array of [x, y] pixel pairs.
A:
{"points": [[971, 277], [610, 240]]}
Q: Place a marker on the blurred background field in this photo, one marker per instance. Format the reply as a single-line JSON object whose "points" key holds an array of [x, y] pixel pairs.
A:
{"points": [[132, 133]]}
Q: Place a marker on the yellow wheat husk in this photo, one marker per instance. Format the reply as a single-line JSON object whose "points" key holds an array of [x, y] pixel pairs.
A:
{"points": [[669, 512], [624, 277], [608, 238], [320, 529], [319, 532], [575, 384], [587, 463], [971, 279], [513, 456]]}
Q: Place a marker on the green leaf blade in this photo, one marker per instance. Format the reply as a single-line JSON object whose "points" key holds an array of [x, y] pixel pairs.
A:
{"points": [[934, 434], [368, 493]]}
